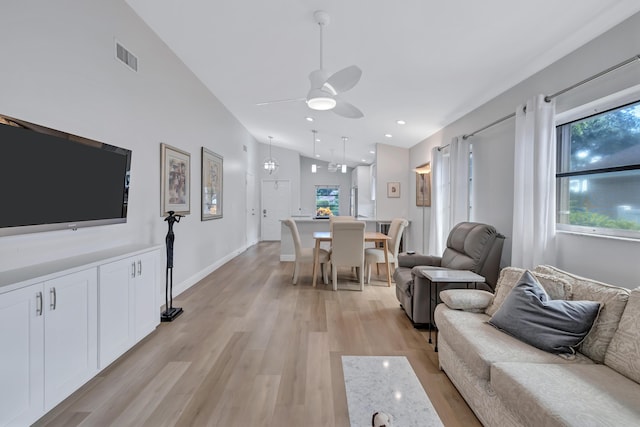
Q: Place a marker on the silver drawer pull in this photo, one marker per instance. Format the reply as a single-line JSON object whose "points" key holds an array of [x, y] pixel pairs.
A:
{"points": [[54, 299], [39, 303]]}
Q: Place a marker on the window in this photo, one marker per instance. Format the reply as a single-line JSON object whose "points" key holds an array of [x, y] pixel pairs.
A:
{"points": [[598, 173], [327, 200]]}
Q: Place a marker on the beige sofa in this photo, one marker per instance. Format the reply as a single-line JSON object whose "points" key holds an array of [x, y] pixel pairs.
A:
{"points": [[509, 383]]}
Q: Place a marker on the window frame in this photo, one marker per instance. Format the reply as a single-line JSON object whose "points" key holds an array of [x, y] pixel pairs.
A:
{"points": [[599, 106]]}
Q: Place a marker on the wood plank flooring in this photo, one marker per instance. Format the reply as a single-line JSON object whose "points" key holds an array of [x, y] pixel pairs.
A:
{"points": [[251, 349]]}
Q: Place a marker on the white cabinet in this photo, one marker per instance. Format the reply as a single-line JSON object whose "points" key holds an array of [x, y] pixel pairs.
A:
{"points": [[127, 300], [21, 370], [58, 320], [70, 335], [48, 333]]}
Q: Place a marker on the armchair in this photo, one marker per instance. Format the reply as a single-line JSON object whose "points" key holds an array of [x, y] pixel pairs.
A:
{"points": [[470, 246]]}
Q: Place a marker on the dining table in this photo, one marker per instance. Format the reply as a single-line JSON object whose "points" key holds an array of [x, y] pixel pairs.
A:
{"points": [[369, 236]]}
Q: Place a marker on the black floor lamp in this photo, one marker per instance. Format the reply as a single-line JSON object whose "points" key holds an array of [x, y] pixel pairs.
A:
{"points": [[170, 311]]}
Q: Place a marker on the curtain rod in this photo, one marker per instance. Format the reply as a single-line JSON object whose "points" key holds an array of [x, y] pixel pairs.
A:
{"points": [[548, 98]]}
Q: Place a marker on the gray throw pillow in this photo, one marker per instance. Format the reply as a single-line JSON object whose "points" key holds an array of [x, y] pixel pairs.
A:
{"points": [[556, 326]]}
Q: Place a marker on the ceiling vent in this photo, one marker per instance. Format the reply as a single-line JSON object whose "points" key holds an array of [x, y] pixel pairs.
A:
{"points": [[129, 59]]}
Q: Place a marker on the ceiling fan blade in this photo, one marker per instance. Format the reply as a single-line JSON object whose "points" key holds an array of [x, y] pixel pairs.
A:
{"points": [[343, 80], [347, 110], [280, 101]]}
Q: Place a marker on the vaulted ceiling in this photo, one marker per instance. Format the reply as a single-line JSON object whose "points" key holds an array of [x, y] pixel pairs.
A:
{"points": [[425, 62]]}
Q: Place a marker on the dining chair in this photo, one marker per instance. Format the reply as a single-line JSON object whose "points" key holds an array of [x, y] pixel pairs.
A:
{"points": [[376, 255], [306, 254], [347, 249]]}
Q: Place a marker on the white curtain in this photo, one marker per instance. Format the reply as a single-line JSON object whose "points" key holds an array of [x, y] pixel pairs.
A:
{"points": [[459, 152], [534, 186], [439, 222]]}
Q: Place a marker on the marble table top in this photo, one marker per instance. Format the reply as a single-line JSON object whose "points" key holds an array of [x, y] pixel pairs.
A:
{"points": [[387, 384]]}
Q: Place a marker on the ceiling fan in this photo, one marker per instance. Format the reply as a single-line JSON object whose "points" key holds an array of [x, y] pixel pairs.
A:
{"points": [[325, 88]]}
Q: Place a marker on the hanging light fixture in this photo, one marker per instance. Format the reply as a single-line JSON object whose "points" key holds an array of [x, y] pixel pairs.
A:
{"points": [[314, 167], [270, 164], [344, 161]]}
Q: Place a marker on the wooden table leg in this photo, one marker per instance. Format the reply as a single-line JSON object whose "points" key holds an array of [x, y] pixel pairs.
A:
{"points": [[316, 261], [386, 261]]}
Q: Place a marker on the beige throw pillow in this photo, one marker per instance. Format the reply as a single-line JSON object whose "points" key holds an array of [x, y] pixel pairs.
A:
{"points": [[474, 300]]}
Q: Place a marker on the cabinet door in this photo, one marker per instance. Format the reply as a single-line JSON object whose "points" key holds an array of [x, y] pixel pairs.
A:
{"points": [[115, 296], [70, 334], [147, 312], [21, 370]]}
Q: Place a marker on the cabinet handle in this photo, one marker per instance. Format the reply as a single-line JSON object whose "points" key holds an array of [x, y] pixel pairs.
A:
{"points": [[54, 299], [39, 303], [139, 267], [133, 269]]}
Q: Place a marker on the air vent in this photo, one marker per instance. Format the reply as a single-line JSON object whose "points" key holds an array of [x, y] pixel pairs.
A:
{"points": [[129, 59]]}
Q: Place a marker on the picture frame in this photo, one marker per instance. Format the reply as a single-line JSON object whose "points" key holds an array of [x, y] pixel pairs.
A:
{"points": [[175, 180], [393, 189], [423, 185], [212, 180]]}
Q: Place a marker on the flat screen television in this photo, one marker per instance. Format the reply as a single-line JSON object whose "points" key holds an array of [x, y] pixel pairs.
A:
{"points": [[52, 180]]}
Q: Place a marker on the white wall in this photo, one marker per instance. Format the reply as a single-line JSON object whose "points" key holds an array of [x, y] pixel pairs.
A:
{"points": [[610, 260], [391, 166], [59, 71]]}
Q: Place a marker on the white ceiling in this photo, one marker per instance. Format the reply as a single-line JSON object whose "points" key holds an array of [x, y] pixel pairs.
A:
{"points": [[424, 62]]}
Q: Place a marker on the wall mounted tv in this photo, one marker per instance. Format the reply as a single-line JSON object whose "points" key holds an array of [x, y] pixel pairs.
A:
{"points": [[53, 180]]}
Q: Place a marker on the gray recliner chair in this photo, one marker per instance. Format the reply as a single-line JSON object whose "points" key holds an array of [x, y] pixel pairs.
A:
{"points": [[470, 246]]}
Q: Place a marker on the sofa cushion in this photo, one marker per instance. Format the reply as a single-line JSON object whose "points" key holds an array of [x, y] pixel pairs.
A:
{"points": [[567, 395], [555, 287], [623, 354], [480, 344], [474, 300], [613, 299], [556, 326]]}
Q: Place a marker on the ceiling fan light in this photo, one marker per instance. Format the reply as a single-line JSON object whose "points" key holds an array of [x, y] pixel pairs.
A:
{"points": [[320, 100]]}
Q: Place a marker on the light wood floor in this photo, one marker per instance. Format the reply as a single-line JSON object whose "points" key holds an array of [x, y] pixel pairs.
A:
{"points": [[251, 349]]}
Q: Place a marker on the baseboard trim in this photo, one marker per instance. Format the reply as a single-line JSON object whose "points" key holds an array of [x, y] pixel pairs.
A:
{"points": [[189, 282]]}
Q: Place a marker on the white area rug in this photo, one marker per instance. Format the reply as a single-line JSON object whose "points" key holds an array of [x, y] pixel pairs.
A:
{"points": [[388, 384]]}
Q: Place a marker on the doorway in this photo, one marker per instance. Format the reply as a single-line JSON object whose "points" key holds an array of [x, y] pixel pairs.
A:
{"points": [[276, 200]]}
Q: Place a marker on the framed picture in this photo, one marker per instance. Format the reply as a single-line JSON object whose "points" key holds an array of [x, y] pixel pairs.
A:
{"points": [[423, 185], [393, 189], [175, 178], [211, 194]]}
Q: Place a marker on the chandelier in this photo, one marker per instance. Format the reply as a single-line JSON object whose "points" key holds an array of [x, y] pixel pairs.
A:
{"points": [[270, 164]]}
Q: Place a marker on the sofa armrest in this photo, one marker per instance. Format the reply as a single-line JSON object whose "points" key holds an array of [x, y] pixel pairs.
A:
{"points": [[410, 261], [473, 300]]}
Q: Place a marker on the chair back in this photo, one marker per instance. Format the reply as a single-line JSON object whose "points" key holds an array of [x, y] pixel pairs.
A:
{"points": [[339, 218], [294, 234], [395, 235], [348, 243], [476, 247]]}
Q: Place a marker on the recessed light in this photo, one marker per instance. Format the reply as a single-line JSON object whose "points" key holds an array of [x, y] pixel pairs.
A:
{"points": [[388, 135], [317, 139], [364, 160], [309, 119], [318, 155], [372, 152], [401, 122]]}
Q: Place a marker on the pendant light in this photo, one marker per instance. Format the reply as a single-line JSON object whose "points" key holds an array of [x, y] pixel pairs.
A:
{"points": [[344, 161], [314, 166], [270, 164]]}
